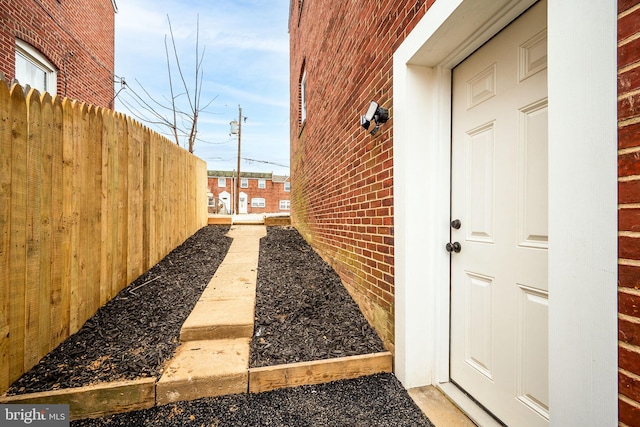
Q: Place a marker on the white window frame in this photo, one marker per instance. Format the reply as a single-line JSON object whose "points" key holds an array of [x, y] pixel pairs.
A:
{"points": [[27, 53], [303, 96], [258, 202], [287, 186], [222, 182], [262, 183], [244, 182], [285, 205]]}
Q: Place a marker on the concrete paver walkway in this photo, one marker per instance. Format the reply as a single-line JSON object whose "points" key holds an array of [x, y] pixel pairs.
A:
{"points": [[213, 357]]}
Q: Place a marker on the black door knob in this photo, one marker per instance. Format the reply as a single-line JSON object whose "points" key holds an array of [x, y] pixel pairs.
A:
{"points": [[456, 224], [453, 247]]}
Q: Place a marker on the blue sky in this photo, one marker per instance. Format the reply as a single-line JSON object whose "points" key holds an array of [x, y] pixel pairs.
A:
{"points": [[246, 63]]}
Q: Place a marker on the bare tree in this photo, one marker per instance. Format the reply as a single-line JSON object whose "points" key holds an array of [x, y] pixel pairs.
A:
{"points": [[178, 113]]}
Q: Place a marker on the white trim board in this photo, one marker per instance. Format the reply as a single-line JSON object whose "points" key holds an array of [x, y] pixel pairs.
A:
{"points": [[582, 196]]}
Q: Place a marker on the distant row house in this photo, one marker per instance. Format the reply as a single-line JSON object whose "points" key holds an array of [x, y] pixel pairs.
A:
{"points": [[259, 192]]}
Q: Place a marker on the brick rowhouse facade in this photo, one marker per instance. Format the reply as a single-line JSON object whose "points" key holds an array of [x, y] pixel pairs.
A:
{"points": [[629, 211], [275, 193], [343, 177], [75, 36], [342, 196]]}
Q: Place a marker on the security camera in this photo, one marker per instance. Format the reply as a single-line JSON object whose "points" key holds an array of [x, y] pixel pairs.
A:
{"points": [[373, 107], [376, 113]]}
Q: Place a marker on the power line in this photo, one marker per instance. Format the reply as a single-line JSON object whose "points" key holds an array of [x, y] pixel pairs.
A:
{"points": [[264, 161]]}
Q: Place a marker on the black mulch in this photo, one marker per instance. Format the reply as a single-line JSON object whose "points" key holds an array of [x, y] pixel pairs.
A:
{"points": [[303, 312], [135, 333], [377, 400]]}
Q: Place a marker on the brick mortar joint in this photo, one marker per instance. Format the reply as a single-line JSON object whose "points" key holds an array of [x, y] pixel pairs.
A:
{"points": [[629, 291], [630, 347], [629, 374], [628, 178], [629, 11], [628, 318], [627, 40], [628, 150], [628, 94], [628, 400]]}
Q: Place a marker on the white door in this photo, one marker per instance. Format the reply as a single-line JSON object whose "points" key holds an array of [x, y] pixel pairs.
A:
{"points": [[499, 293], [225, 198], [242, 208]]}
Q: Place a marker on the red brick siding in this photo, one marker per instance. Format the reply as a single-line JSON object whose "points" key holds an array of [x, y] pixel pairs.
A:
{"points": [[342, 196], [628, 212], [273, 193], [76, 36]]}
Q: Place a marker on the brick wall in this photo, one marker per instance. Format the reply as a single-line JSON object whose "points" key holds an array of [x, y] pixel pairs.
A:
{"points": [[342, 198], [629, 211], [76, 36], [273, 193]]}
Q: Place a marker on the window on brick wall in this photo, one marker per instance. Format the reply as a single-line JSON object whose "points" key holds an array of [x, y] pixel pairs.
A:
{"points": [[300, 4], [303, 96], [257, 202], [285, 205], [33, 69], [287, 186], [222, 182], [244, 183], [262, 183]]}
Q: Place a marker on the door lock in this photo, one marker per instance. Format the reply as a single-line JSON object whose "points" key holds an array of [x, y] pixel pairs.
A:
{"points": [[456, 224], [453, 247]]}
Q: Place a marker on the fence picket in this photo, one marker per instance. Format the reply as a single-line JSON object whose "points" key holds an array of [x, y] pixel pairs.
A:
{"points": [[95, 209], [33, 243], [5, 230], [109, 207], [68, 200], [134, 194], [57, 332], [45, 189], [17, 249]]}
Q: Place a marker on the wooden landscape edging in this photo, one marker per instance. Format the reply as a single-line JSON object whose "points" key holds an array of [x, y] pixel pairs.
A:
{"points": [[277, 220], [123, 396], [318, 371], [220, 220], [96, 400]]}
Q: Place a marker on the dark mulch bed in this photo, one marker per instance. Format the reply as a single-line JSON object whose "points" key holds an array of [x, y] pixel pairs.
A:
{"points": [[134, 334], [377, 400], [303, 312]]}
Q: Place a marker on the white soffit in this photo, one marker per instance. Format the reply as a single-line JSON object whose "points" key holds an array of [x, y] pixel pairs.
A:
{"points": [[464, 27]]}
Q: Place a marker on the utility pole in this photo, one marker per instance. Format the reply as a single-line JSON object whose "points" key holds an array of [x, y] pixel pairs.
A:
{"points": [[239, 139], [236, 128]]}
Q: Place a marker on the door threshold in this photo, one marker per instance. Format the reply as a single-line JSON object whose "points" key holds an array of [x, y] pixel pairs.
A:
{"points": [[471, 409]]}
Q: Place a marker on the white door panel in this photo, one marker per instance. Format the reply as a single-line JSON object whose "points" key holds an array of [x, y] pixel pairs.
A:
{"points": [[499, 292]]}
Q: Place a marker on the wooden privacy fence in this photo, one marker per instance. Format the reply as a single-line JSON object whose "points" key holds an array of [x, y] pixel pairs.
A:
{"points": [[89, 200]]}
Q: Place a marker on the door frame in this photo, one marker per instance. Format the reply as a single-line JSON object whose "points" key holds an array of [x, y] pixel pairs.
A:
{"points": [[582, 190]]}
